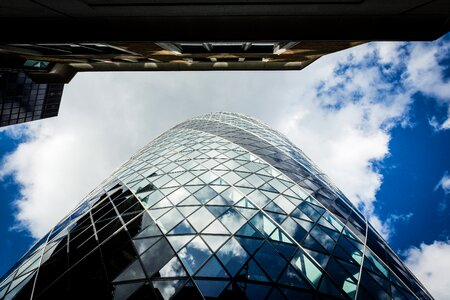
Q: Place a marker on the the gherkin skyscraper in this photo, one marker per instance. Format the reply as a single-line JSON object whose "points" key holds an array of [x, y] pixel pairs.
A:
{"points": [[220, 206]]}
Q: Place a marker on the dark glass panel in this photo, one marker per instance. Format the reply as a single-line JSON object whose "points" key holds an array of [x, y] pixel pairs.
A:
{"points": [[194, 254], [124, 291], [157, 256], [211, 289], [182, 228], [117, 253], [133, 272], [189, 291], [290, 277], [212, 268], [173, 268], [143, 244], [232, 255], [267, 256], [327, 287], [249, 244]]}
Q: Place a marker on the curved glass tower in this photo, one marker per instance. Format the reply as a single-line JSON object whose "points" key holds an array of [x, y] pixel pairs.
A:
{"points": [[220, 206]]}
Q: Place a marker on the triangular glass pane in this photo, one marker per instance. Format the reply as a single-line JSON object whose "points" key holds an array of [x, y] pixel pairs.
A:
{"points": [[244, 183], [232, 255], [189, 201], [319, 257], [168, 190], [189, 291], [258, 198], [201, 219], [178, 241], [214, 241], [171, 184], [273, 208], [150, 231], [332, 233], [303, 264], [267, 187], [216, 228], [287, 250], [257, 291], [300, 215], [182, 228], [219, 181], [279, 236], [133, 272], [212, 269], [232, 195], [167, 288], [205, 194], [218, 200], [178, 195], [194, 254], [184, 178], [327, 287], [173, 268], [163, 203], [232, 220], [157, 256], [208, 177], [278, 218], [210, 288], [292, 278], [266, 255], [246, 212], [148, 188], [143, 244], [263, 224], [170, 219], [219, 188], [217, 211], [245, 203], [151, 199], [124, 291], [351, 268], [156, 213], [196, 181], [187, 210], [248, 230], [245, 191], [249, 244], [310, 243]]}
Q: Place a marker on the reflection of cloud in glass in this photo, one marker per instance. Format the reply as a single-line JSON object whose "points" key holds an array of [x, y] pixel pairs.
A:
{"points": [[166, 288], [201, 218], [232, 220], [233, 248], [172, 269], [194, 254]]}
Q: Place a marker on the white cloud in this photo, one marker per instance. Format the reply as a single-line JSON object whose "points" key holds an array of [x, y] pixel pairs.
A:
{"points": [[430, 263], [444, 183], [341, 121]]}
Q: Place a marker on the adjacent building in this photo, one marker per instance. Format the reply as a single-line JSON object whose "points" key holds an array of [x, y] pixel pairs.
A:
{"points": [[22, 100], [218, 207]]}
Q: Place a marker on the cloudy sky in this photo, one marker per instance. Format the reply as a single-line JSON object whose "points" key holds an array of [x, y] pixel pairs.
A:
{"points": [[375, 118]]}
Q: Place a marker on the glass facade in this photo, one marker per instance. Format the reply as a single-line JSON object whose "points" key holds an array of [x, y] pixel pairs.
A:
{"points": [[220, 206], [22, 100]]}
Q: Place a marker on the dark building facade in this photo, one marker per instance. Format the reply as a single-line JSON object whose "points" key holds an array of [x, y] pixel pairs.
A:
{"points": [[219, 207], [22, 100]]}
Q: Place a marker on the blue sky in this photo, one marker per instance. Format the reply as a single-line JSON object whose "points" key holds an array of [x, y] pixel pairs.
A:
{"points": [[375, 118]]}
